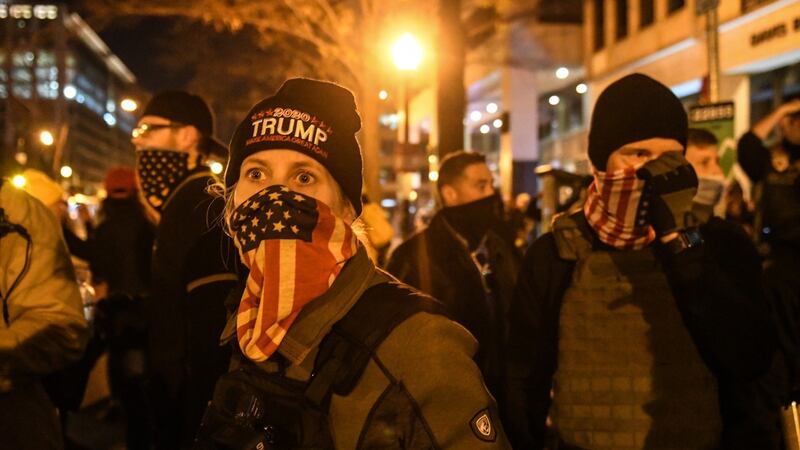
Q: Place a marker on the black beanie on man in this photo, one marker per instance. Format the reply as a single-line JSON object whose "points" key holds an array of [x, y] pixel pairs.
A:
{"points": [[316, 118], [187, 109], [634, 108]]}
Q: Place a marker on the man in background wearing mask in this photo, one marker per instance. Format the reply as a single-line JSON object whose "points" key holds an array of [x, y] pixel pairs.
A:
{"points": [[630, 316], [701, 152], [190, 272], [461, 259]]}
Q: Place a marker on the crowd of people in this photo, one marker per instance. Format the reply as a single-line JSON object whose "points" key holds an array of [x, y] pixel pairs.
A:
{"points": [[264, 308]]}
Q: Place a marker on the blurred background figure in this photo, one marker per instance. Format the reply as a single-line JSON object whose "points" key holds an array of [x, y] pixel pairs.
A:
{"points": [[463, 259], [378, 229], [701, 152], [43, 327], [123, 239]]}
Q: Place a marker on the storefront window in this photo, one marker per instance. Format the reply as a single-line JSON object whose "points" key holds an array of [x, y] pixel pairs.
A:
{"points": [[646, 13], [675, 5], [622, 19], [599, 24]]}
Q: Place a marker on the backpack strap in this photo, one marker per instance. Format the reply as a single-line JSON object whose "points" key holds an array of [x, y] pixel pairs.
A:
{"points": [[346, 350]]}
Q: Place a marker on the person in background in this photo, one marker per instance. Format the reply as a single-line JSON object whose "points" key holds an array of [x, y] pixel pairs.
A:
{"points": [[43, 326], [193, 261], [625, 312], [465, 260], [701, 152], [123, 239], [775, 171]]}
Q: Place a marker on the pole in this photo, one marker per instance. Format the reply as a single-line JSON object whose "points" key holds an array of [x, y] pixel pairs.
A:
{"points": [[406, 108], [712, 34]]}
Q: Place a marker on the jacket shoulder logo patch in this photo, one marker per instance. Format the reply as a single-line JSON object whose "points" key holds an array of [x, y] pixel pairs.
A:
{"points": [[482, 426]]}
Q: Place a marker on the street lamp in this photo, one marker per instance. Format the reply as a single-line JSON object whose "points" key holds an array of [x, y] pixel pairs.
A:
{"points": [[66, 171], [46, 138], [407, 55], [129, 105]]}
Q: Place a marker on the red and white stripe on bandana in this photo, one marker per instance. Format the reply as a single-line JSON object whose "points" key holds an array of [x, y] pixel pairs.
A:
{"points": [[612, 209], [295, 247]]}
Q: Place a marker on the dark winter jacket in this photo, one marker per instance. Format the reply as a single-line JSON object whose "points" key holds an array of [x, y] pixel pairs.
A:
{"points": [[122, 247], [192, 271], [438, 262], [718, 293]]}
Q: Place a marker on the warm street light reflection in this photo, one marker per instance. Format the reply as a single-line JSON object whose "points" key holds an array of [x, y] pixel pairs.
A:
{"points": [[129, 105], [19, 181], [216, 168], [581, 88], [46, 137], [66, 171], [562, 73], [554, 100], [383, 95], [407, 52]]}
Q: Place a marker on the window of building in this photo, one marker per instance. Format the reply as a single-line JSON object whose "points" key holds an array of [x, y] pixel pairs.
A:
{"points": [[599, 24], [622, 19], [674, 5], [646, 13]]}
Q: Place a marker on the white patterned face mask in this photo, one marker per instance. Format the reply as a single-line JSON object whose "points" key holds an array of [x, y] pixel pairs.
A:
{"points": [[160, 172], [614, 211]]}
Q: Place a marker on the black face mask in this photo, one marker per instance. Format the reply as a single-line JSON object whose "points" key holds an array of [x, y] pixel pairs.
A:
{"points": [[160, 172], [472, 220]]}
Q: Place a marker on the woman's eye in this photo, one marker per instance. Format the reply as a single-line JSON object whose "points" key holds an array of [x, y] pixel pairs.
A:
{"points": [[255, 174], [305, 178]]}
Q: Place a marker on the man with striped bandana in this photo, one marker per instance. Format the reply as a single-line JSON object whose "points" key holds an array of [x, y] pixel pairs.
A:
{"points": [[627, 310]]}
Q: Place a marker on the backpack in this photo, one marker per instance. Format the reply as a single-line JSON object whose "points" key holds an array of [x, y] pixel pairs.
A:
{"points": [[253, 409]]}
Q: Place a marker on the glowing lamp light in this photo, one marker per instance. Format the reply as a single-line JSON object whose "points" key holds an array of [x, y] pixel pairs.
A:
{"points": [[484, 129], [19, 181], [581, 88], [498, 123], [413, 196], [383, 95], [475, 116], [129, 105], [70, 92], [407, 52], [562, 73], [433, 159], [216, 168], [46, 138], [491, 108], [433, 175], [66, 171], [554, 100]]}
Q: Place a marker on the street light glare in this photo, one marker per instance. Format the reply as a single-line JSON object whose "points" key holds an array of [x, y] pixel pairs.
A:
{"points": [[407, 52], [216, 168], [498, 123], [554, 100], [383, 95], [475, 116], [19, 181], [491, 108], [562, 73], [128, 105], [485, 129], [70, 92], [66, 171], [581, 88], [46, 138]]}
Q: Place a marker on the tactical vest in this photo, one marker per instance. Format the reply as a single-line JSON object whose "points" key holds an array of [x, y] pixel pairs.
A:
{"points": [[629, 375], [255, 409]]}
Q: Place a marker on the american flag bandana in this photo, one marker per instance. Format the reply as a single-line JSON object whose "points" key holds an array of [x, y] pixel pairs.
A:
{"points": [[295, 247], [614, 211]]}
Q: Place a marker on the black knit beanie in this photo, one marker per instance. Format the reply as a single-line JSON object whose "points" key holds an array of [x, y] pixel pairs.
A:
{"points": [[634, 108], [316, 118], [188, 109]]}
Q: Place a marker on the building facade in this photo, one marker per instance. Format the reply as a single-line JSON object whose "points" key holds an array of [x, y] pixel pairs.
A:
{"points": [[60, 94]]}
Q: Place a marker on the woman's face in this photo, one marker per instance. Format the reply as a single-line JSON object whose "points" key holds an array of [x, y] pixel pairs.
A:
{"points": [[295, 170]]}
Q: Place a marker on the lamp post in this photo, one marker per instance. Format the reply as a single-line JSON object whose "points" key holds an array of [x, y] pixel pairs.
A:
{"points": [[407, 55]]}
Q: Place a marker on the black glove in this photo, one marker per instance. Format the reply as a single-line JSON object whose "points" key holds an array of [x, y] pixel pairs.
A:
{"points": [[670, 186]]}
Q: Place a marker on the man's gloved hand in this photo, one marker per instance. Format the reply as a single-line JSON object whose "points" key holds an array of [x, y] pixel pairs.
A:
{"points": [[670, 186]]}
